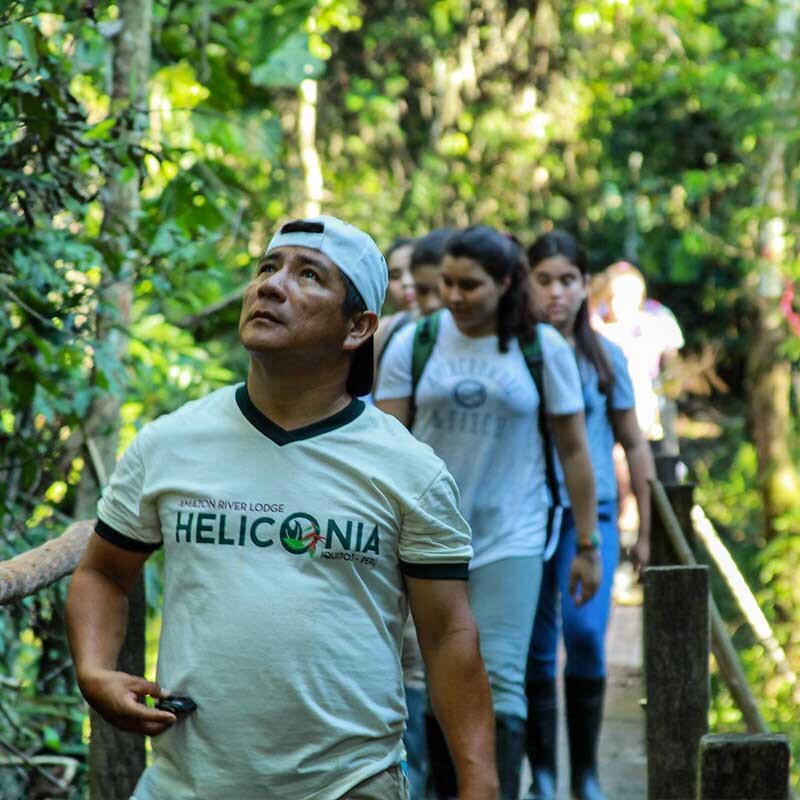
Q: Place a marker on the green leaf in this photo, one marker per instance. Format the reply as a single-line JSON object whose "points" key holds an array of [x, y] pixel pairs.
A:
{"points": [[51, 738], [288, 66], [101, 130], [295, 544], [26, 36]]}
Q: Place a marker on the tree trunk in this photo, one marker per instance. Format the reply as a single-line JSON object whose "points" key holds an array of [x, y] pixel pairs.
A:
{"points": [[116, 759], [307, 138], [769, 385], [768, 370]]}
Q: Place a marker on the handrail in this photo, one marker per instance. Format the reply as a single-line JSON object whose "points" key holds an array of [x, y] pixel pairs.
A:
{"points": [[721, 644], [37, 569], [745, 599]]}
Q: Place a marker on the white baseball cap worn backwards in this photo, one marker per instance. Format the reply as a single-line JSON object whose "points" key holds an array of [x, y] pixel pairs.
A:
{"points": [[358, 257]]}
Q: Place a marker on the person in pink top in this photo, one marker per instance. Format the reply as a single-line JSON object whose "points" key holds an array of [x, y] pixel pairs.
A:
{"points": [[650, 337], [648, 334]]}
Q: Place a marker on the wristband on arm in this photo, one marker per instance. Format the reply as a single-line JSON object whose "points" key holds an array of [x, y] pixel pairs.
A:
{"points": [[593, 542]]}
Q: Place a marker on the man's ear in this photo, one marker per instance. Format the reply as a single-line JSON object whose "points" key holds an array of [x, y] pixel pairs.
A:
{"points": [[360, 327]]}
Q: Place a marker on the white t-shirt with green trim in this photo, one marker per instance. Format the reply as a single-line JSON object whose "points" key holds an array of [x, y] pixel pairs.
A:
{"points": [[283, 599]]}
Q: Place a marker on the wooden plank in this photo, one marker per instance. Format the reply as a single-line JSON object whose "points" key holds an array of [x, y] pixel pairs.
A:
{"points": [[744, 766], [676, 650]]}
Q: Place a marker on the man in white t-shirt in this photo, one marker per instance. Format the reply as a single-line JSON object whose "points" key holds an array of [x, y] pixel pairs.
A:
{"points": [[298, 524]]}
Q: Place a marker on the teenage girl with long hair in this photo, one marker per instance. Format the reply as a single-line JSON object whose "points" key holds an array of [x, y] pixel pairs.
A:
{"points": [[477, 405], [559, 280]]}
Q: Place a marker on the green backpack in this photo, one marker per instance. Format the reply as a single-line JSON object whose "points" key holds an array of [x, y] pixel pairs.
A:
{"points": [[425, 334]]}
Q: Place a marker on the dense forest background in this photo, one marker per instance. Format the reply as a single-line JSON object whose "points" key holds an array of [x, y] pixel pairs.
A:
{"points": [[148, 150]]}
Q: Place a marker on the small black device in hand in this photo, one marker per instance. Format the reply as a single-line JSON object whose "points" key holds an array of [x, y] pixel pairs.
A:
{"points": [[179, 706]]}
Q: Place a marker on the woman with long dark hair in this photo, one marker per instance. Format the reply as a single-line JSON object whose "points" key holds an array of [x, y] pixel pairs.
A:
{"points": [[477, 404], [559, 279]]}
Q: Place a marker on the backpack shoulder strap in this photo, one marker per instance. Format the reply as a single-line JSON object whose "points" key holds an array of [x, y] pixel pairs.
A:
{"points": [[534, 360], [425, 334], [398, 323], [532, 351], [424, 342]]}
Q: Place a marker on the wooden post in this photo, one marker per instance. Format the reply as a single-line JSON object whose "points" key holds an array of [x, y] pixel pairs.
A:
{"points": [[743, 766], [721, 644], [676, 646], [666, 468], [681, 498]]}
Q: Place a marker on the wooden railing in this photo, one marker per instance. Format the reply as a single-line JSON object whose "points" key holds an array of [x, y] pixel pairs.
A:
{"points": [[681, 625], [37, 569]]}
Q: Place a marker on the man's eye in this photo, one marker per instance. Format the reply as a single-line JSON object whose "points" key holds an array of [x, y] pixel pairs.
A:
{"points": [[266, 268], [309, 273]]}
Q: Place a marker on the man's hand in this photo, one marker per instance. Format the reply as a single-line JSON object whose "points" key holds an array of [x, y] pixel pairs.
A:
{"points": [[119, 699], [584, 575]]}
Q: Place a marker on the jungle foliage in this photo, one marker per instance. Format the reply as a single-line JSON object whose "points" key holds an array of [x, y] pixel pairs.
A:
{"points": [[647, 129]]}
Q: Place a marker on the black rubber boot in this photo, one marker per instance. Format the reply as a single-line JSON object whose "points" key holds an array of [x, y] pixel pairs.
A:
{"points": [[509, 739], [442, 782], [542, 739], [584, 718]]}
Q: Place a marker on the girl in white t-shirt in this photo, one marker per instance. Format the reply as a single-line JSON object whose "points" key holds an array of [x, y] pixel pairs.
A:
{"points": [[477, 405]]}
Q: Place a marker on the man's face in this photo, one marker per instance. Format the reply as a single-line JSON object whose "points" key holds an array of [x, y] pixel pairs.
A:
{"points": [[293, 302]]}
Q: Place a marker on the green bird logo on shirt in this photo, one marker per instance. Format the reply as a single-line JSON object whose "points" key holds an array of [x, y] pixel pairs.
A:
{"points": [[298, 538]]}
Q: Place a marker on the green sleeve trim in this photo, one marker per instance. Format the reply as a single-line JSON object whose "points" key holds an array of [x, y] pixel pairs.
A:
{"points": [[439, 572], [114, 537]]}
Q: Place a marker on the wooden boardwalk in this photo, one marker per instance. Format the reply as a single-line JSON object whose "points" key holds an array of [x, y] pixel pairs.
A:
{"points": [[622, 745]]}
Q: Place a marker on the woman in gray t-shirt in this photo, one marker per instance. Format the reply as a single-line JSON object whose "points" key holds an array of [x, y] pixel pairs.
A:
{"points": [[559, 276], [477, 405]]}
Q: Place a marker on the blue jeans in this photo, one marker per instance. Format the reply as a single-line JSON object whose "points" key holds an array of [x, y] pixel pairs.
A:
{"points": [[503, 599], [584, 626], [415, 741]]}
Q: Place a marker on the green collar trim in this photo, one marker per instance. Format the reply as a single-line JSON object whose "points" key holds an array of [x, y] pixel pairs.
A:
{"points": [[281, 436]]}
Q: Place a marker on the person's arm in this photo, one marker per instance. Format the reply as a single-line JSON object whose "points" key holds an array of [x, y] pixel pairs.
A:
{"points": [[670, 374], [569, 435], [642, 470], [457, 681], [670, 337], [393, 384], [97, 618], [386, 327], [400, 408]]}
